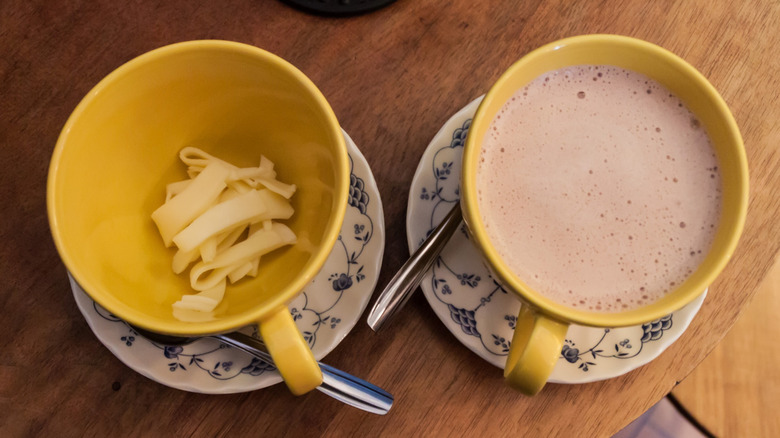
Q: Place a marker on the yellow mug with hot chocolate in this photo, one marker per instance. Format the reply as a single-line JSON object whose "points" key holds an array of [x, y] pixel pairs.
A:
{"points": [[606, 184]]}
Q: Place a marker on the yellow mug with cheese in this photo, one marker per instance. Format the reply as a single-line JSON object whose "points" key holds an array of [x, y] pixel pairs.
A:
{"points": [[120, 148]]}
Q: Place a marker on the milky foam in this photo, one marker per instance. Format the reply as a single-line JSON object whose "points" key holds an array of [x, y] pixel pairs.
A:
{"points": [[599, 188]]}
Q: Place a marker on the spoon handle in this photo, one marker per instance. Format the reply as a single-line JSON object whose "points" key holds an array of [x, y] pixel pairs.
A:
{"points": [[401, 286], [335, 383]]}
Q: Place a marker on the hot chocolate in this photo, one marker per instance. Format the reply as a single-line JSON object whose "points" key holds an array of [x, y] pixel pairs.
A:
{"points": [[599, 188]]}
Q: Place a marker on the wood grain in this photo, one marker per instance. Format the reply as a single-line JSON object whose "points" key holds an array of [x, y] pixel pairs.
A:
{"points": [[393, 77], [735, 391]]}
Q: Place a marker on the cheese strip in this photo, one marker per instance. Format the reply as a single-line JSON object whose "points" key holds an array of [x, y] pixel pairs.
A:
{"points": [[267, 164], [230, 193], [276, 186], [207, 275], [249, 173], [277, 206], [194, 157], [216, 244], [215, 294], [182, 259], [205, 301], [240, 178], [239, 186], [255, 266], [194, 316], [241, 271], [182, 209], [230, 238], [208, 249], [241, 210], [197, 159], [175, 188]]}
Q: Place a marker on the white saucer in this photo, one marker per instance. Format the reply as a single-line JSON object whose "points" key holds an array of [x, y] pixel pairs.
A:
{"points": [[474, 306], [325, 312]]}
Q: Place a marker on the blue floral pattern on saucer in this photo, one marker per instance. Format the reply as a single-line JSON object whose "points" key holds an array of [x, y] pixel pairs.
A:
{"points": [[324, 313], [478, 310]]}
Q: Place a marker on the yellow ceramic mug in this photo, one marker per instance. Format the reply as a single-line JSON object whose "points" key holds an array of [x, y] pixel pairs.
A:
{"points": [[542, 324], [120, 147]]}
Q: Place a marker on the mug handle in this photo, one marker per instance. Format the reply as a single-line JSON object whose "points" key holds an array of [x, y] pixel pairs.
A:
{"points": [[292, 355], [536, 347]]}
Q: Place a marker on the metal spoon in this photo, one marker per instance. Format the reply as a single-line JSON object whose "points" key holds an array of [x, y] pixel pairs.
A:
{"points": [[401, 286], [335, 383]]}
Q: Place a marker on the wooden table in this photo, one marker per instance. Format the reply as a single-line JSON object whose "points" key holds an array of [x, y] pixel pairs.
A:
{"points": [[735, 391], [393, 77]]}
